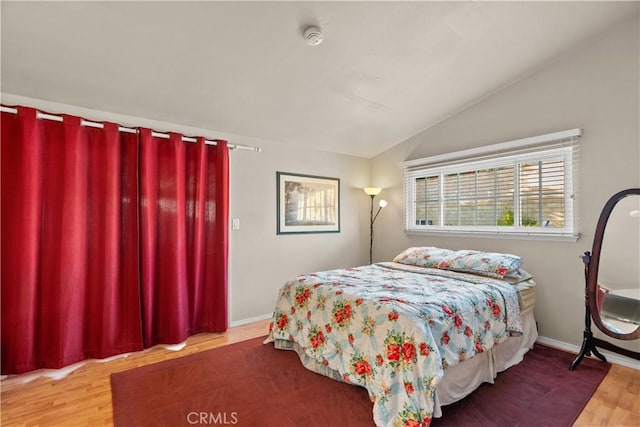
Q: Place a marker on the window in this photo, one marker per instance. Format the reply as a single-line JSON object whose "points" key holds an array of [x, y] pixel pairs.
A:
{"points": [[523, 191]]}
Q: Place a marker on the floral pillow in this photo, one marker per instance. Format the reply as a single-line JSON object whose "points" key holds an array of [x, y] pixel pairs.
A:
{"points": [[429, 257], [483, 263], [517, 276]]}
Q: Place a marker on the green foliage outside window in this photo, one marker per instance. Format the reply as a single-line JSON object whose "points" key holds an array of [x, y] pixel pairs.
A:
{"points": [[507, 219]]}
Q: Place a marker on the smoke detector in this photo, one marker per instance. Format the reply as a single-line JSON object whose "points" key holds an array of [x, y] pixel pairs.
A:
{"points": [[313, 36]]}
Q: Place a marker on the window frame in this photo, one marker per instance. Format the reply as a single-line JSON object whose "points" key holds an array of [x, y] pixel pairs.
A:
{"points": [[550, 147]]}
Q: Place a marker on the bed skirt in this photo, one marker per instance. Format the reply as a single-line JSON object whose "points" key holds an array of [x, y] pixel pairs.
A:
{"points": [[462, 379], [459, 380]]}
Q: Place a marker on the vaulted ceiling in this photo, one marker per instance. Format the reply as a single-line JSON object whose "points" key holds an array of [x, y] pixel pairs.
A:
{"points": [[384, 72]]}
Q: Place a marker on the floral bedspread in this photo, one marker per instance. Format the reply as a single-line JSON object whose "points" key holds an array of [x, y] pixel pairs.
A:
{"points": [[393, 329]]}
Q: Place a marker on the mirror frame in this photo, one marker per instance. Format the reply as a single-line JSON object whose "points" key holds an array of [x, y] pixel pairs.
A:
{"points": [[592, 276]]}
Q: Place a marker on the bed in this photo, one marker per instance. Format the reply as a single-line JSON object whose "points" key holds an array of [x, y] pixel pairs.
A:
{"points": [[418, 333]]}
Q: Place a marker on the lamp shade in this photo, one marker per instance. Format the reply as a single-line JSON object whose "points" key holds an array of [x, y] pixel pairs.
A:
{"points": [[372, 191], [383, 203]]}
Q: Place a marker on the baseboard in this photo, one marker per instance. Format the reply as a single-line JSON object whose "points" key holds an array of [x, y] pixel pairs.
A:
{"points": [[611, 357], [241, 322]]}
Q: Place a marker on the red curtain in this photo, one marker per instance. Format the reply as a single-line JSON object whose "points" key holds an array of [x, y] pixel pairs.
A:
{"points": [[184, 230], [110, 241]]}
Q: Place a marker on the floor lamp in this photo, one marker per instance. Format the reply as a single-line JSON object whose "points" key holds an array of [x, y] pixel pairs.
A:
{"points": [[373, 192]]}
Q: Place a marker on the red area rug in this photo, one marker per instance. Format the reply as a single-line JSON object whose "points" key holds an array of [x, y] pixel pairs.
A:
{"points": [[251, 384]]}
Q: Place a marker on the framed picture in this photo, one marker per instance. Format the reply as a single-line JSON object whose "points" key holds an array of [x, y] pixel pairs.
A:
{"points": [[308, 204]]}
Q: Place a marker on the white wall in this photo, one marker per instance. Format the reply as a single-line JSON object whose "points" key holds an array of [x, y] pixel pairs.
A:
{"points": [[594, 87], [259, 260]]}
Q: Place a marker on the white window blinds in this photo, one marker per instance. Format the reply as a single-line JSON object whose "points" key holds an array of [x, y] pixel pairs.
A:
{"points": [[525, 191]]}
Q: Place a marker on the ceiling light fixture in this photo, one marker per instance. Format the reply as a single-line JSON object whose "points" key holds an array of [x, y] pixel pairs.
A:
{"points": [[313, 35]]}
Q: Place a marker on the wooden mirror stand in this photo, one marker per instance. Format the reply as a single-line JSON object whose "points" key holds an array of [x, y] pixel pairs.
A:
{"points": [[594, 295]]}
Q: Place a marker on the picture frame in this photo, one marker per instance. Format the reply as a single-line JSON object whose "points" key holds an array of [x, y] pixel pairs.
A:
{"points": [[307, 204]]}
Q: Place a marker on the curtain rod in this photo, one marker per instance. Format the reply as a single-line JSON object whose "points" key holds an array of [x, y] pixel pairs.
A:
{"points": [[87, 123]]}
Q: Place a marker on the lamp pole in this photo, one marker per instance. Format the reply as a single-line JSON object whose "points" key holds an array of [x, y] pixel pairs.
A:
{"points": [[373, 192], [371, 233], [373, 219]]}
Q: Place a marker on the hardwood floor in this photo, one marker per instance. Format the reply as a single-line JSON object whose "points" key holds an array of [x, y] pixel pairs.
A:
{"points": [[616, 402], [83, 398]]}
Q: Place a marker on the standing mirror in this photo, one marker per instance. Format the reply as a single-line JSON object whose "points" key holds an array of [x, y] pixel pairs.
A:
{"points": [[617, 279], [612, 278]]}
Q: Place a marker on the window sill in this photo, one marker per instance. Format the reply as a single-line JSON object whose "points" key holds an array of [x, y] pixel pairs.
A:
{"points": [[497, 235]]}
